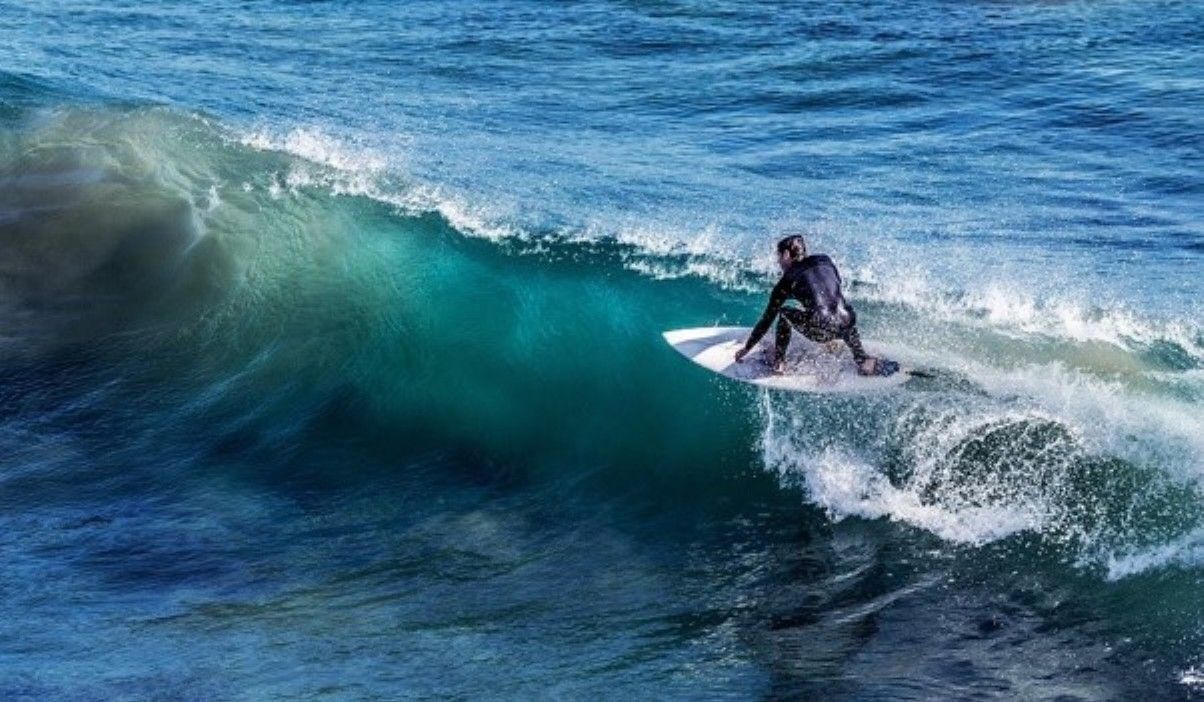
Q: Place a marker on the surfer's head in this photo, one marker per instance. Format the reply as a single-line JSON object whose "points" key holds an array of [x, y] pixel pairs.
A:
{"points": [[790, 250]]}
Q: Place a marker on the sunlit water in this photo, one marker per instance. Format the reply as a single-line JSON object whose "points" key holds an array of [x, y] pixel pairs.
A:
{"points": [[332, 364]]}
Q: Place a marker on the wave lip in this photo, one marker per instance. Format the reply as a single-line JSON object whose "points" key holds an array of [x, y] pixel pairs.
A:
{"points": [[344, 168], [660, 251], [104, 225]]}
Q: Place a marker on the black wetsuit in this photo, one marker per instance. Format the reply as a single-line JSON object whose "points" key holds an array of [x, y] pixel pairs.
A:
{"points": [[815, 282]]}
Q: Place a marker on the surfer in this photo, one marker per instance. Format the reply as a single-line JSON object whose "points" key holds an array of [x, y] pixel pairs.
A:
{"points": [[824, 317]]}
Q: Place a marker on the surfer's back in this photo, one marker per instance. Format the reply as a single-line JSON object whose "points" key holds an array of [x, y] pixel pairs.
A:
{"points": [[815, 282]]}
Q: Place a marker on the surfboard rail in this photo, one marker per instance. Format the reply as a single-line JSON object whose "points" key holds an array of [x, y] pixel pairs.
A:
{"points": [[810, 367]]}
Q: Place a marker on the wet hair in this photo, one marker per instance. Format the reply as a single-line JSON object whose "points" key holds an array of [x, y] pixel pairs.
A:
{"points": [[795, 245]]}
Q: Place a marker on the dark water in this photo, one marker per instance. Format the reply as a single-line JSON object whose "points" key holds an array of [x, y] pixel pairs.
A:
{"points": [[332, 364]]}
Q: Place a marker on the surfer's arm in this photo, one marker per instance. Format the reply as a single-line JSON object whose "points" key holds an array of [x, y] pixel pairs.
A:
{"points": [[777, 298]]}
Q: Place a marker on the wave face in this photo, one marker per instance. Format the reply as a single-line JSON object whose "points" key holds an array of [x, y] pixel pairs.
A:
{"points": [[331, 355]]}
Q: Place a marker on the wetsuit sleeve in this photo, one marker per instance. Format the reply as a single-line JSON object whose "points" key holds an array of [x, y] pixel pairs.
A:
{"points": [[777, 298]]}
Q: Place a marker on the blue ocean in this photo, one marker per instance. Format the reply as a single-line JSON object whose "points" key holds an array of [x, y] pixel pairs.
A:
{"points": [[331, 363]]}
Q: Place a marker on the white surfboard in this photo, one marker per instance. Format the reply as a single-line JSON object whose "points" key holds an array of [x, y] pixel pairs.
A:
{"points": [[810, 367]]}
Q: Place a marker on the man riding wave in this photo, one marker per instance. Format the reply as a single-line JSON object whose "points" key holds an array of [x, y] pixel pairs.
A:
{"points": [[825, 315]]}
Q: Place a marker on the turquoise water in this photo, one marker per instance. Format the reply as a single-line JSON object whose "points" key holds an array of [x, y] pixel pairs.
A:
{"points": [[332, 364]]}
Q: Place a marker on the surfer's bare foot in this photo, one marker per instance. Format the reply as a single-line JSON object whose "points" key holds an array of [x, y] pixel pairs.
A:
{"points": [[868, 367]]}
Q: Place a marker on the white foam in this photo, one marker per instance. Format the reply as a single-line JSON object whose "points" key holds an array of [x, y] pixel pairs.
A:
{"points": [[317, 147], [1021, 489], [1192, 678], [1005, 308], [1185, 552], [346, 168], [1108, 416], [848, 487], [845, 485], [709, 268]]}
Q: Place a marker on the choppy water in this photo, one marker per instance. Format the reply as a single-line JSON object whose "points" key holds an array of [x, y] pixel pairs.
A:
{"points": [[331, 364]]}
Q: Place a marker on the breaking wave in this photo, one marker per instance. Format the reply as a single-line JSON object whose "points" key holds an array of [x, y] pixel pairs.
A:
{"points": [[253, 260]]}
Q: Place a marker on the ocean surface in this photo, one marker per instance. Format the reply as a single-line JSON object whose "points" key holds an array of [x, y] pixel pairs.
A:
{"points": [[331, 368]]}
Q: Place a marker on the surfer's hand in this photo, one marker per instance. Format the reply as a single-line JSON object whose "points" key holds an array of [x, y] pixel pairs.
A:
{"points": [[740, 355]]}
